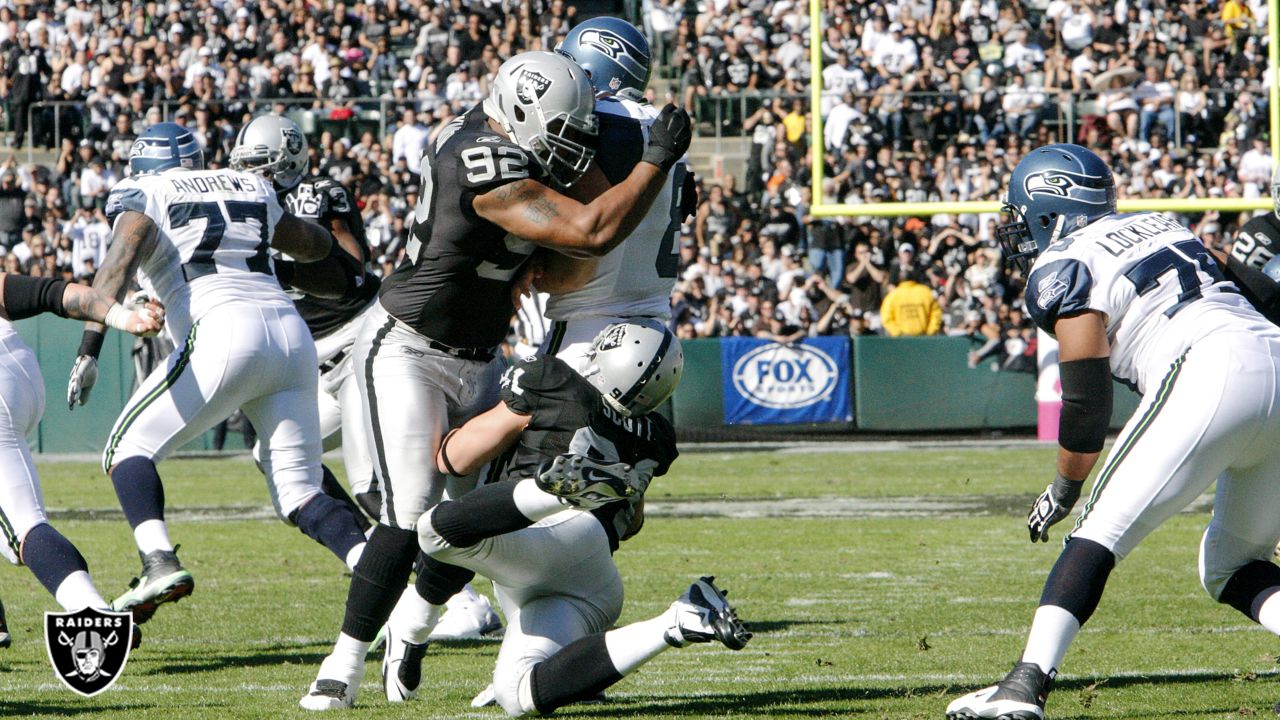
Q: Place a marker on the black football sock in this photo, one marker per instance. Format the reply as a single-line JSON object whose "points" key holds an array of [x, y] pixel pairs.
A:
{"points": [[485, 512], [378, 579], [579, 671]]}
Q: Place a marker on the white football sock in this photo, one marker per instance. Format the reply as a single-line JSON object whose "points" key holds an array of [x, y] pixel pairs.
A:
{"points": [[346, 662], [76, 592], [633, 645], [1269, 613], [1052, 632], [533, 503], [413, 618], [353, 556], [152, 535]]}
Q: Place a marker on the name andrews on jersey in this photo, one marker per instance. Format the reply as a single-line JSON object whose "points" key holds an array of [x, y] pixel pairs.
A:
{"points": [[210, 183]]}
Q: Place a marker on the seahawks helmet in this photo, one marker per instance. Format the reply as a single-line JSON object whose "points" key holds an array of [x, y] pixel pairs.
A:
{"points": [[164, 146], [273, 147], [545, 104], [636, 365], [614, 53], [1054, 191]]}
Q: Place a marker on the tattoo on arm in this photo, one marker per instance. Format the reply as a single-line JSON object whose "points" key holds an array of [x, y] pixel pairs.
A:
{"points": [[134, 239], [82, 302], [541, 211]]}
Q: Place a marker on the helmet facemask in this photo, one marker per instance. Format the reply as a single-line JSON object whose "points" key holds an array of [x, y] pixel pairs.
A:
{"points": [[1275, 190], [565, 147], [284, 164]]}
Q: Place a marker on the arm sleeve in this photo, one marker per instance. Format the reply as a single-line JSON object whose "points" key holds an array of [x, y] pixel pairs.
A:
{"points": [[1256, 286], [1060, 288]]}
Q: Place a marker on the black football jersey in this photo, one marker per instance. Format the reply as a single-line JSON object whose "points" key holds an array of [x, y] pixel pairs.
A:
{"points": [[321, 200], [1258, 241], [567, 414], [454, 285]]}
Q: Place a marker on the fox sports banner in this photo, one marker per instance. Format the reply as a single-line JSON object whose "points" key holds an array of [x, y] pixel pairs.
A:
{"points": [[767, 383]]}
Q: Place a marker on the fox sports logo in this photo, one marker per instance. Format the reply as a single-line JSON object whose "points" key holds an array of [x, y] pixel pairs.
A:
{"points": [[785, 377]]}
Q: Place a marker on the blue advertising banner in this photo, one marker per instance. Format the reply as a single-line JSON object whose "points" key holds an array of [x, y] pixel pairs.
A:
{"points": [[766, 383]]}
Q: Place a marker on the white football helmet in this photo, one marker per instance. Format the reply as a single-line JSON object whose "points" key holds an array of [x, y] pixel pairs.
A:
{"points": [[636, 365], [273, 147], [546, 104], [1275, 190]]}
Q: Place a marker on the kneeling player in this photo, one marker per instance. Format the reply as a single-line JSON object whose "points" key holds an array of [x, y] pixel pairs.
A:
{"points": [[29, 539], [588, 443]]}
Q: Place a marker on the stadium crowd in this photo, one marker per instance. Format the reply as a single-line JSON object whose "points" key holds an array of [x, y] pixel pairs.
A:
{"points": [[922, 100]]}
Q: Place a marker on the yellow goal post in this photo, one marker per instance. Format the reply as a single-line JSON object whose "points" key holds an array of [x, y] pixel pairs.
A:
{"points": [[821, 208]]}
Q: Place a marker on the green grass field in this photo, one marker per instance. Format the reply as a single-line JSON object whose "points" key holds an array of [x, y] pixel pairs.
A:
{"points": [[879, 585]]}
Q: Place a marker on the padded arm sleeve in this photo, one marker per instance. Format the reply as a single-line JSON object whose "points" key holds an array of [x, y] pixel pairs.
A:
{"points": [[26, 297], [1086, 404]]}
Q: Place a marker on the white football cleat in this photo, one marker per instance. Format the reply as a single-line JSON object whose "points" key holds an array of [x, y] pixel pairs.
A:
{"points": [[328, 695], [470, 616], [485, 698], [703, 614], [401, 666], [1019, 696]]}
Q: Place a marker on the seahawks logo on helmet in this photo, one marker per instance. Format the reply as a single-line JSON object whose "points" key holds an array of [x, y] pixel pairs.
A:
{"points": [[616, 49], [531, 86], [1060, 183]]}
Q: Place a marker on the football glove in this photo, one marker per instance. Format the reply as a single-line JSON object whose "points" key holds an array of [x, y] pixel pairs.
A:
{"points": [[1052, 506], [84, 374], [669, 137]]}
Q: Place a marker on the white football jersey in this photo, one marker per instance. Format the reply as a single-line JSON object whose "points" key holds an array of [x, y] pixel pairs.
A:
{"points": [[635, 279], [1157, 285], [213, 246]]}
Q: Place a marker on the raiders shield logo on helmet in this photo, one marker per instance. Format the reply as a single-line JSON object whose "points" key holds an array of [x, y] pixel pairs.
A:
{"points": [[89, 648], [532, 86], [293, 140]]}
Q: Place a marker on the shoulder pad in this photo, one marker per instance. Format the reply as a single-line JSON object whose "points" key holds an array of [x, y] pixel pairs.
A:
{"points": [[1057, 288], [125, 196]]}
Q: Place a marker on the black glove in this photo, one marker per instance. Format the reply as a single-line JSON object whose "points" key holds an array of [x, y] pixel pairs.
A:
{"points": [[669, 138], [1053, 504]]}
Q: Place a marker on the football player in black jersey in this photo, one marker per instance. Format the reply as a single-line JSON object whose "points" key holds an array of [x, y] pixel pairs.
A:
{"points": [[580, 453], [1252, 263], [494, 186], [275, 148]]}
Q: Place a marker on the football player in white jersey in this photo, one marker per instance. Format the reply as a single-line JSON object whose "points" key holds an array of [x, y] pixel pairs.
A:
{"points": [[198, 240], [1139, 297], [28, 538], [635, 279]]}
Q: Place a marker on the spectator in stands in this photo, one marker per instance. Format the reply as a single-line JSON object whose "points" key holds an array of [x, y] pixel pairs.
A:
{"points": [[910, 308]]}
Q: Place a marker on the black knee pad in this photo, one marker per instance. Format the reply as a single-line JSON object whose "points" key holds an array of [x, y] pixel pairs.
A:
{"points": [[438, 581], [1078, 578], [1250, 586]]}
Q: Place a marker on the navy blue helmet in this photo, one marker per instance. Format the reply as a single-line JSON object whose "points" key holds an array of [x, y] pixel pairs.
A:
{"points": [[1054, 191], [163, 146], [614, 53]]}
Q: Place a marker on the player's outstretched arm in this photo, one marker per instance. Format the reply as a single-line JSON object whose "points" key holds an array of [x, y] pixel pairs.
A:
{"points": [[482, 438], [1084, 364], [335, 274], [133, 239], [25, 297], [539, 214], [301, 240]]}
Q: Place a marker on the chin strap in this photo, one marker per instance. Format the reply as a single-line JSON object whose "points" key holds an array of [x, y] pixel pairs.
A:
{"points": [[1057, 229]]}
